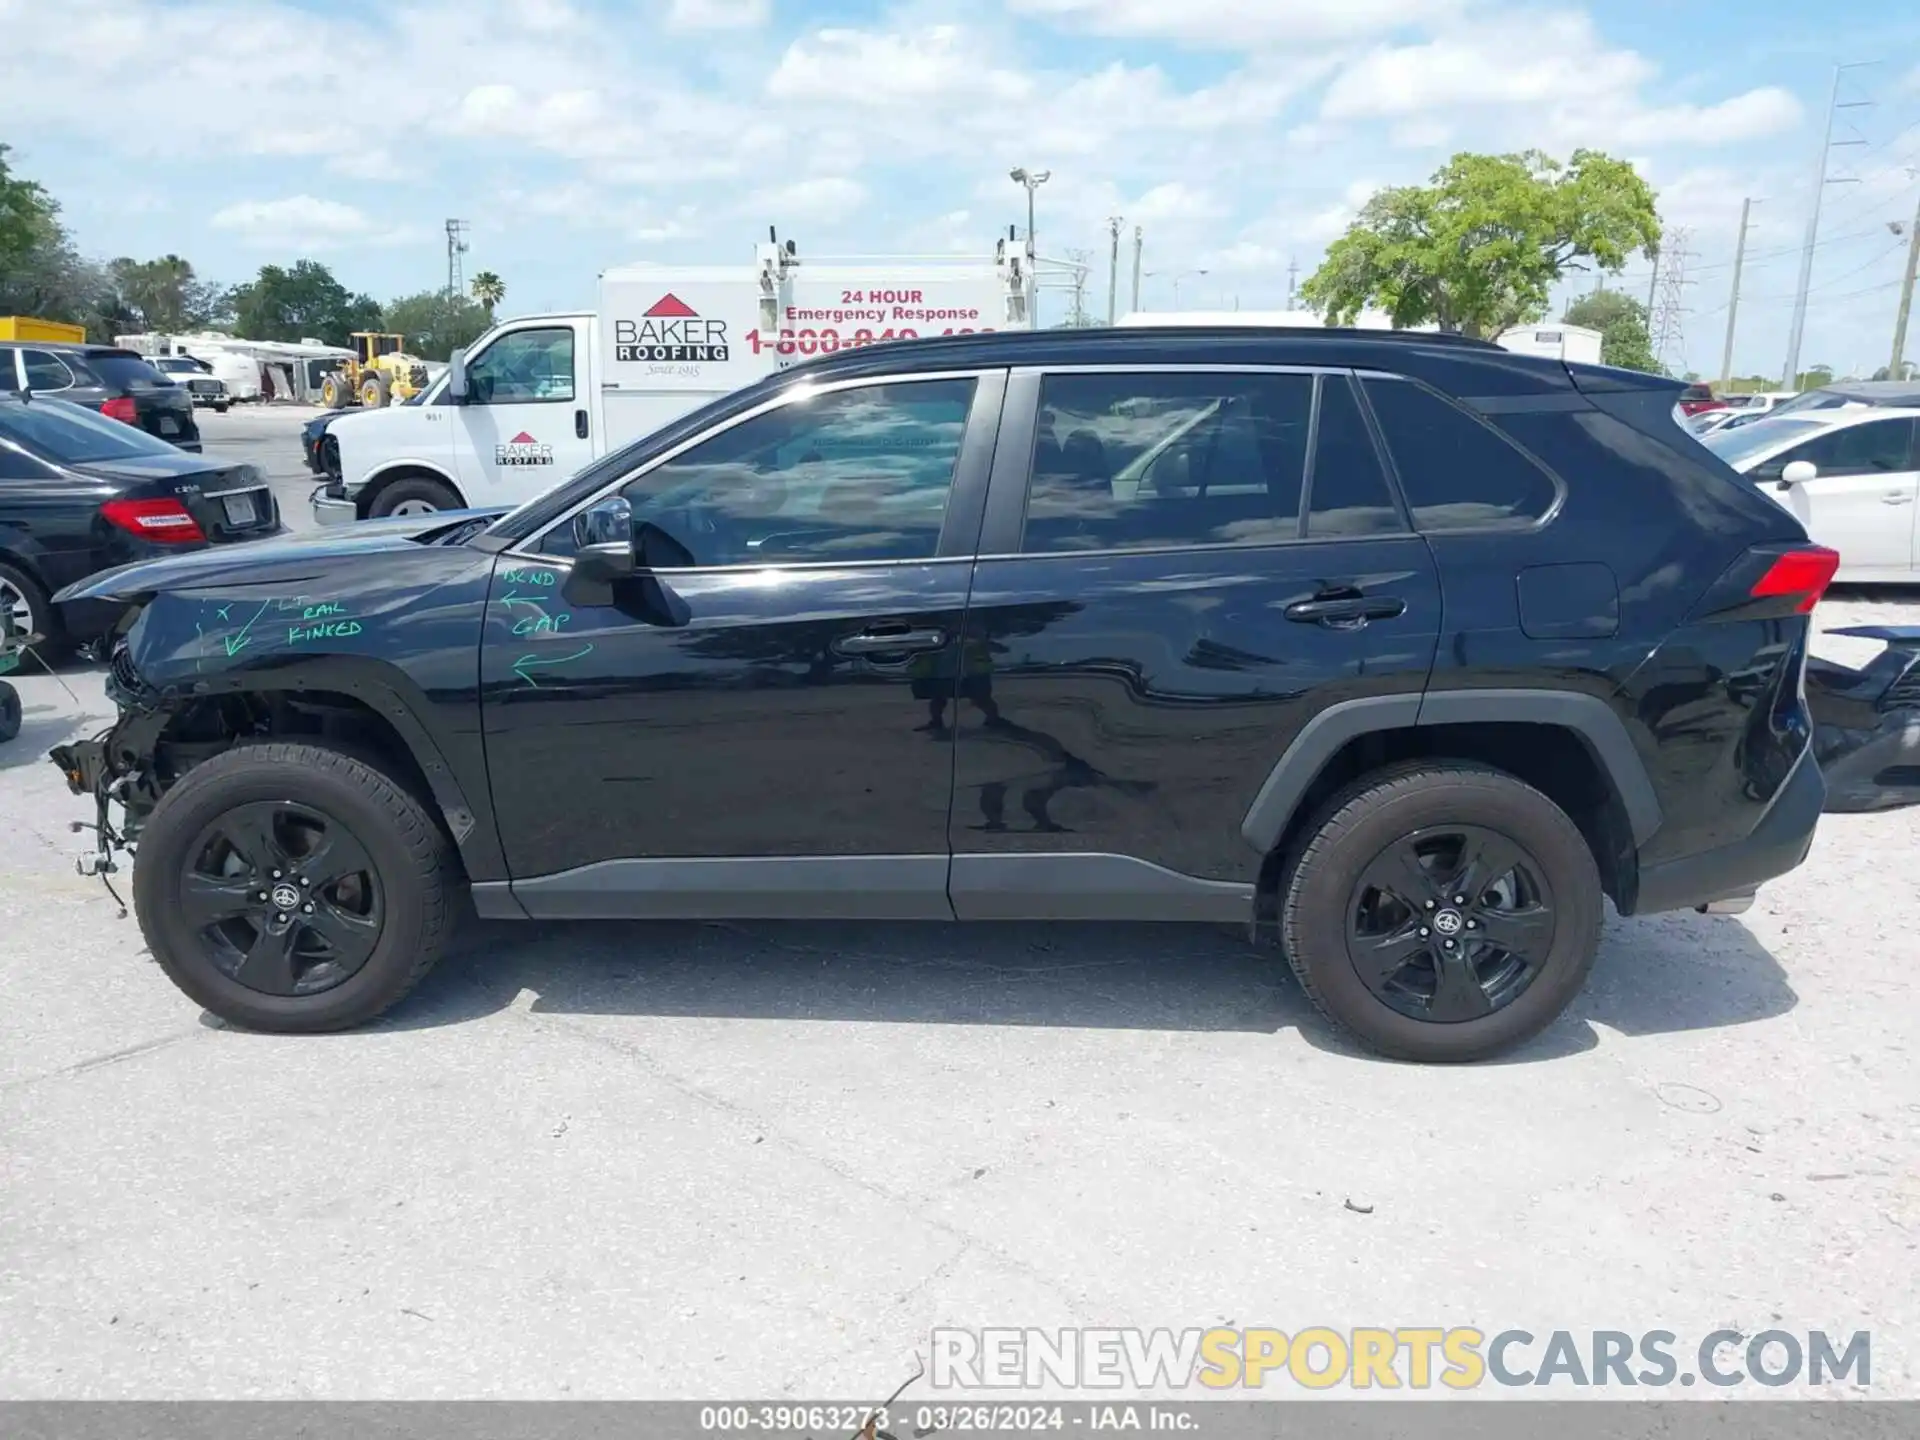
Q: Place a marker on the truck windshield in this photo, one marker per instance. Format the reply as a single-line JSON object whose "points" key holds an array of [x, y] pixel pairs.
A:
{"points": [[70, 434]]}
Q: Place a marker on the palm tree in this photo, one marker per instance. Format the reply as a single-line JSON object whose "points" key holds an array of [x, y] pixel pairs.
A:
{"points": [[489, 289]]}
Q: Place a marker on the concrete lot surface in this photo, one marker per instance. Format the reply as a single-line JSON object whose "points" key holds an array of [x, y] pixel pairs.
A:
{"points": [[725, 1160]]}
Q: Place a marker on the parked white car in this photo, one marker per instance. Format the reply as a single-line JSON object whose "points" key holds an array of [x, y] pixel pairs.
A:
{"points": [[197, 377], [1851, 476]]}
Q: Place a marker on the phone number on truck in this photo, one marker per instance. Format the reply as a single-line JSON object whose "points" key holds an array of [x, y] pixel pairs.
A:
{"points": [[827, 341]]}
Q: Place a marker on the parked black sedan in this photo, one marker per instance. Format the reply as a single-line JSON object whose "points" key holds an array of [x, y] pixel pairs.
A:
{"points": [[321, 451], [81, 493], [118, 383]]}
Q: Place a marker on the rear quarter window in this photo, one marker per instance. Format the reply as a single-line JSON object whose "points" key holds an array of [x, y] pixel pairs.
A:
{"points": [[1457, 472], [123, 372]]}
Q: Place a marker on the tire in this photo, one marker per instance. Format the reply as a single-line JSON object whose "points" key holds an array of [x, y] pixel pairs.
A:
{"points": [[413, 494], [374, 392], [221, 407], [335, 394], [33, 612], [9, 712], [330, 457], [1327, 885], [409, 885]]}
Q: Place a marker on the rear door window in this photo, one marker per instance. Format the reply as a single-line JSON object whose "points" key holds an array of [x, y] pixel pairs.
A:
{"points": [[1349, 489], [1879, 447], [123, 371], [1458, 473], [1144, 460]]}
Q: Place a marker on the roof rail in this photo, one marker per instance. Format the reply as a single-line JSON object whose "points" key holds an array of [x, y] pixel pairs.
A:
{"points": [[1302, 332]]}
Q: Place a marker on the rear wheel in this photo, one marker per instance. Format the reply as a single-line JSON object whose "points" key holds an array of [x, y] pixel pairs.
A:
{"points": [[1442, 912], [335, 393], [413, 495], [291, 887]]}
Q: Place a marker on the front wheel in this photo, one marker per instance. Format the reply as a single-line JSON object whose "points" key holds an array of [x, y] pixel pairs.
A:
{"points": [[1442, 912], [220, 407], [414, 495], [293, 888]]}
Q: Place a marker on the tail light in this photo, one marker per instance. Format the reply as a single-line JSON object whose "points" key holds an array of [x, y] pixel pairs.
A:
{"points": [[164, 520], [121, 408], [1801, 574]]}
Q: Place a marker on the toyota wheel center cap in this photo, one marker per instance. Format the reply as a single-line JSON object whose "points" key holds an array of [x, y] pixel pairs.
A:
{"points": [[1448, 922]]}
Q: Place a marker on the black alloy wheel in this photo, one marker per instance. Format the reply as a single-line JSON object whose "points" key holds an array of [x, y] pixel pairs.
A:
{"points": [[1450, 923], [284, 896]]}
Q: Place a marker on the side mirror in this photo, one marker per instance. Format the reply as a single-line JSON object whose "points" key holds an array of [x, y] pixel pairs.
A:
{"points": [[457, 377], [1798, 472]]}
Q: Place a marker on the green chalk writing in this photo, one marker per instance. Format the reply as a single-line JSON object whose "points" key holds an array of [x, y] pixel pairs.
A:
{"points": [[325, 630]]}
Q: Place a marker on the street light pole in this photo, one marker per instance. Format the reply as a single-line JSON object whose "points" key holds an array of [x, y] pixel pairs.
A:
{"points": [[1032, 180]]}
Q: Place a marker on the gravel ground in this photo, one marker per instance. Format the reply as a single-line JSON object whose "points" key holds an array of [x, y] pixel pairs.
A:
{"points": [[721, 1160]]}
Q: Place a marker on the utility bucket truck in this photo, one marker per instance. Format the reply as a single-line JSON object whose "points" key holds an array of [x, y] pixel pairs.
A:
{"points": [[536, 398]]}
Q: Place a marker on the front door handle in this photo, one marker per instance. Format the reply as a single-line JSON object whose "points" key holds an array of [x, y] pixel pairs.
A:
{"points": [[1348, 612], [890, 642], [580, 423], [1896, 497]]}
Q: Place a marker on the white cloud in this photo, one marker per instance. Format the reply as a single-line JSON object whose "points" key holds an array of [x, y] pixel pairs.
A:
{"points": [[719, 14], [1235, 24], [358, 164], [872, 70], [1548, 60], [303, 222], [823, 197]]}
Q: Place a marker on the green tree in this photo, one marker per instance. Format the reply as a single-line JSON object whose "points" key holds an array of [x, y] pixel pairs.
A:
{"points": [[1814, 377], [165, 296], [1622, 323], [1479, 249], [489, 289], [435, 323], [41, 273], [298, 301]]}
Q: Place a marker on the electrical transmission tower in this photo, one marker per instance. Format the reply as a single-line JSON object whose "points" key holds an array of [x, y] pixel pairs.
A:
{"points": [[1081, 262], [456, 247], [1667, 327]]}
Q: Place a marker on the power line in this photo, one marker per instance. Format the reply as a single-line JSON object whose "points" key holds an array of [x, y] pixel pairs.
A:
{"points": [[1669, 318], [1827, 143]]}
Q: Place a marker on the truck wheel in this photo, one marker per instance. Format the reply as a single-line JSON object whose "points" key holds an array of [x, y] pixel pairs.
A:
{"points": [[1441, 912], [292, 888], [415, 495], [334, 394], [220, 406], [374, 391]]}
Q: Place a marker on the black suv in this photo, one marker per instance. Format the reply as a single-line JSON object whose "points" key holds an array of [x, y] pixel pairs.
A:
{"points": [[118, 383], [1404, 649]]}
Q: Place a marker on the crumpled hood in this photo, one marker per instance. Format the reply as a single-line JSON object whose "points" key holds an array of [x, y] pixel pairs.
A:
{"points": [[296, 557]]}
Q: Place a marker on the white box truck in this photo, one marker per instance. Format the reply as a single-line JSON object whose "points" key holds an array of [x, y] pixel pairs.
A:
{"points": [[546, 394]]}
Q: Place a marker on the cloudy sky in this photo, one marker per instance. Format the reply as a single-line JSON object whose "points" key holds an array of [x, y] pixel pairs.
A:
{"points": [[1239, 134]]}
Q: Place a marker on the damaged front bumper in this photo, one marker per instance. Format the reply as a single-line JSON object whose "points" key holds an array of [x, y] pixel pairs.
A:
{"points": [[116, 768], [1867, 722]]}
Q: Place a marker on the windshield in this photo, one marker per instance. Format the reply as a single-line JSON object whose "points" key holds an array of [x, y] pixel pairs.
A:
{"points": [[178, 365], [1737, 443], [71, 434]]}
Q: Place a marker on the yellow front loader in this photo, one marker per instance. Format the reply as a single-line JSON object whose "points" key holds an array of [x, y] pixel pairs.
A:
{"points": [[380, 371]]}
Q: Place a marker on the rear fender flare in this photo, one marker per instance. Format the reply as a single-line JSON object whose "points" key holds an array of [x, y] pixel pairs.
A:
{"points": [[1587, 716]]}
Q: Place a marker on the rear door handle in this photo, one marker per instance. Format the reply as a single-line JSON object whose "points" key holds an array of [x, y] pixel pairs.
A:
{"points": [[890, 642], [1348, 612], [1896, 497]]}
